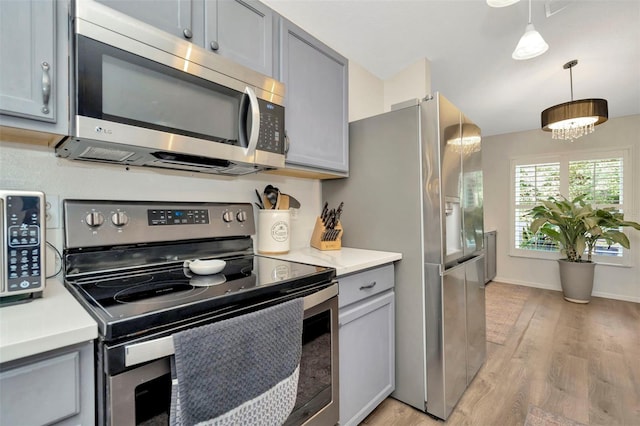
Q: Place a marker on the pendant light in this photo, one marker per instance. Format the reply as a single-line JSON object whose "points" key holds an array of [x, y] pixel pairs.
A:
{"points": [[501, 3], [531, 43], [571, 120]]}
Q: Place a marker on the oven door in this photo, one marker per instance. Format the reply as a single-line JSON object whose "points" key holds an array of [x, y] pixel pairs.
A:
{"points": [[141, 395]]}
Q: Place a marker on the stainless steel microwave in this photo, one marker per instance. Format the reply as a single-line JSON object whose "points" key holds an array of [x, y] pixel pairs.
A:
{"points": [[143, 97]]}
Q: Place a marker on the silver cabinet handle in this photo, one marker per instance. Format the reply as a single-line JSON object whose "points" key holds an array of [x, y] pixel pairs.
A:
{"points": [[187, 33], [46, 87], [365, 287], [214, 46]]}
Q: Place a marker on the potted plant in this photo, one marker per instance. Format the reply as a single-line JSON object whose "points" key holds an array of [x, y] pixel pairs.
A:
{"points": [[576, 227]]}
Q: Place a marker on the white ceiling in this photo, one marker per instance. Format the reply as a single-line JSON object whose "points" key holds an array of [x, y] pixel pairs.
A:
{"points": [[469, 45]]}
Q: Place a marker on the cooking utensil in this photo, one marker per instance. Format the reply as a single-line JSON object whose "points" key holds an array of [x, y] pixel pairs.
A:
{"points": [[293, 203], [260, 202], [284, 201], [271, 193]]}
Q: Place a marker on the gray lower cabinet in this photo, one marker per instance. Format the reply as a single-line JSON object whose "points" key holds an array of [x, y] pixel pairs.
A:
{"points": [[52, 388], [241, 30], [490, 256], [33, 65], [367, 342], [316, 115]]}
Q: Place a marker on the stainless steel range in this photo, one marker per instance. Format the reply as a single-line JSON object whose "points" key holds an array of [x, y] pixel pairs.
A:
{"points": [[125, 262]]}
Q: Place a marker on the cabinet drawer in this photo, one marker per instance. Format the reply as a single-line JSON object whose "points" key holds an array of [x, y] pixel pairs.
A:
{"points": [[364, 284], [52, 385]]}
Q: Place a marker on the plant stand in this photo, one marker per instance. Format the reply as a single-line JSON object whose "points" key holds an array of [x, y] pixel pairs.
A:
{"points": [[576, 279]]}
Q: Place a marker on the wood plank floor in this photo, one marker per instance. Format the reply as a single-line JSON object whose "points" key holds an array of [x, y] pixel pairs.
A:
{"points": [[581, 362]]}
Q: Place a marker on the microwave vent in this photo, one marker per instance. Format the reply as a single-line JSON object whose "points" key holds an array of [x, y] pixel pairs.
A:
{"points": [[199, 164], [104, 154]]}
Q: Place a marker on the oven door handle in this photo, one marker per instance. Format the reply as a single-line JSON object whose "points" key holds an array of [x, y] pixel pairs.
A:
{"points": [[138, 353]]}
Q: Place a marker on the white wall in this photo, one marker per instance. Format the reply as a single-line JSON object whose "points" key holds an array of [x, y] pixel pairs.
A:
{"points": [[369, 95], [497, 151], [410, 83], [366, 93], [35, 167]]}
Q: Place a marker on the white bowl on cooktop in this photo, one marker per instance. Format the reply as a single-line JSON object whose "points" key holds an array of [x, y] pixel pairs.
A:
{"points": [[205, 267]]}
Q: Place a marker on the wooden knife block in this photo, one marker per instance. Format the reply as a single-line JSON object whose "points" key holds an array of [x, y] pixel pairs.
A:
{"points": [[319, 230]]}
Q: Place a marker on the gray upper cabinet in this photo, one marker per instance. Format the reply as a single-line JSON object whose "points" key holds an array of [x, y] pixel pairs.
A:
{"points": [[239, 30], [316, 120], [173, 16], [27, 55], [33, 66]]}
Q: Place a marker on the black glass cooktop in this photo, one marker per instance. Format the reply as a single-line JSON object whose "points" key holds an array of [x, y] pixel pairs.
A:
{"points": [[148, 298]]}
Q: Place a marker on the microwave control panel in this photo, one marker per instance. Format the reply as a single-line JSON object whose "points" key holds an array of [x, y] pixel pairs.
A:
{"points": [[271, 137], [23, 223]]}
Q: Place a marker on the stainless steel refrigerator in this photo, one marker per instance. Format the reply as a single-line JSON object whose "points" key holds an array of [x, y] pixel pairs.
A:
{"points": [[415, 187]]}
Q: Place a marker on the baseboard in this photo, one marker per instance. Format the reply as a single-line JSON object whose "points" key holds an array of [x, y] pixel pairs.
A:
{"points": [[554, 288]]}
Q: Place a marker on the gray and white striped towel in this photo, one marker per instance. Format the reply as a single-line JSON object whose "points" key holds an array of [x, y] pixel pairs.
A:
{"points": [[243, 370]]}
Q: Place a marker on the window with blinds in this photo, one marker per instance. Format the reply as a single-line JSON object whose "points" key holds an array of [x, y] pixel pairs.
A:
{"points": [[599, 179], [533, 183]]}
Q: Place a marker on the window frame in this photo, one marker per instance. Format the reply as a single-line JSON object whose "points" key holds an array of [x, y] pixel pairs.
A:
{"points": [[564, 158]]}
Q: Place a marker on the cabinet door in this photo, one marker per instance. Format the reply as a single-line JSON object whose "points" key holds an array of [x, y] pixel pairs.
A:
{"points": [[316, 82], [27, 59], [367, 356], [241, 31], [172, 16], [59, 383]]}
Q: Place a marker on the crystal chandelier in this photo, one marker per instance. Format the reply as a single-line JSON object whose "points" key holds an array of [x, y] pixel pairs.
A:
{"points": [[571, 120]]}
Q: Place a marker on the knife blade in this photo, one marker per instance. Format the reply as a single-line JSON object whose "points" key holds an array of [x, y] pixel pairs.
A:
{"points": [[339, 211]]}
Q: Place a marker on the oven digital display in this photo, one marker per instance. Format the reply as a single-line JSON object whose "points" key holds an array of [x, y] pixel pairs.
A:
{"points": [[177, 217]]}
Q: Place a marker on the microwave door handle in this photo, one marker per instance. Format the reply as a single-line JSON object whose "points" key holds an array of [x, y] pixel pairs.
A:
{"points": [[254, 113]]}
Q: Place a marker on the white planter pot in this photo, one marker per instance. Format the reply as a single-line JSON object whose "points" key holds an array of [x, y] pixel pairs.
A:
{"points": [[576, 279]]}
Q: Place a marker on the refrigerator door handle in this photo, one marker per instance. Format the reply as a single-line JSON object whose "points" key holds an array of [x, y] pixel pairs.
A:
{"points": [[461, 264]]}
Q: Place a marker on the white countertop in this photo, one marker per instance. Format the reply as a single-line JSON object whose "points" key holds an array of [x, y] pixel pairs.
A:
{"points": [[57, 320], [346, 260], [51, 322]]}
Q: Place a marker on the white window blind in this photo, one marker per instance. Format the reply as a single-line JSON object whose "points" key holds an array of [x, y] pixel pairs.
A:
{"points": [[533, 183], [601, 181]]}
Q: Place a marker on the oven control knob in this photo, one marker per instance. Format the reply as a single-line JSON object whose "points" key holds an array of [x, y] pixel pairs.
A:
{"points": [[241, 216], [119, 219], [227, 216], [94, 219]]}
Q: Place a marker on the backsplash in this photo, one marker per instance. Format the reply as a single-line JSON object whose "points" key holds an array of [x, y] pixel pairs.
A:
{"points": [[33, 167]]}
